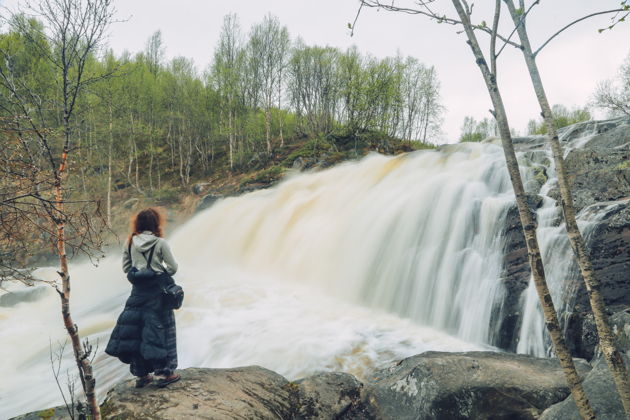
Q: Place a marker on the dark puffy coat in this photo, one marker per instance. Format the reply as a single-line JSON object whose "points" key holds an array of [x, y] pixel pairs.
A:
{"points": [[140, 329]]}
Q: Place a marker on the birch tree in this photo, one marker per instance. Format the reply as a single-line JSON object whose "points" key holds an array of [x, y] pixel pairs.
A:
{"points": [[73, 31], [607, 344], [267, 54], [226, 71], [488, 68]]}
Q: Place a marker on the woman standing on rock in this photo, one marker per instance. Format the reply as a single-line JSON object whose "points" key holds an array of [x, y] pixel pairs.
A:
{"points": [[145, 334]]}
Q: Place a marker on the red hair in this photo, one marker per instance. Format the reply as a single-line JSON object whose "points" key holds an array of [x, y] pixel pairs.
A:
{"points": [[150, 219]]}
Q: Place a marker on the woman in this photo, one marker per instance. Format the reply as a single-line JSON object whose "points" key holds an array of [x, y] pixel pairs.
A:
{"points": [[145, 335]]}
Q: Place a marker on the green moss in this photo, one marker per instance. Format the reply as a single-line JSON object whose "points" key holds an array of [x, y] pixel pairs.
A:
{"points": [[46, 414], [312, 149], [167, 195], [622, 166], [266, 176]]}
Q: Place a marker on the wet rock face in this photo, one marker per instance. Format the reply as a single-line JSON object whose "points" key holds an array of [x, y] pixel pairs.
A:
{"points": [[599, 173], [515, 278], [474, 385], [610, 255]]}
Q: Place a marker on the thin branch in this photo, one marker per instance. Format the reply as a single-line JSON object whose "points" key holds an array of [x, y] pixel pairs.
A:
{"points": [[435, 16], [571, 24], [520, 22], [355, 20], [493, 37]]}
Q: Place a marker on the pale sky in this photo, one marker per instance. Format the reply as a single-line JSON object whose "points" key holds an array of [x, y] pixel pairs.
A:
{"points": [[570, 66]]}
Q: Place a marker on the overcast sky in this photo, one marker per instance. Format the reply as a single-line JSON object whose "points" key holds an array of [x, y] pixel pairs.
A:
{"points": [[571, 66]]}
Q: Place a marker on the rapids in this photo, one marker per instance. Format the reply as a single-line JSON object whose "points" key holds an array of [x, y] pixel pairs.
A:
{"points": [[343, 269]]}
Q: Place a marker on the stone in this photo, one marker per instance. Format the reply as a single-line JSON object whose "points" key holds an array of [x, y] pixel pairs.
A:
{"points": [[219, 394], [131, 203], [332, 395], [601, 392], [207, 201], [56, 413], [585, 335], [199, 188], [473, 385], [597, 175]]}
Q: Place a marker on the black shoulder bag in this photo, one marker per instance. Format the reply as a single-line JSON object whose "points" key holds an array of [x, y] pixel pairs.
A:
{"points": [[136, 276], [172, 293]]}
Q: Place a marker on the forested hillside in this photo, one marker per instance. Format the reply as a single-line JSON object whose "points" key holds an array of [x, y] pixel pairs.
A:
{"points": [[145, 127]]}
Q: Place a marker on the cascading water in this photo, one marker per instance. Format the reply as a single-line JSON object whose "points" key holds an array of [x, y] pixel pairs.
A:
{"points": [[343, 269], [561, 269]]}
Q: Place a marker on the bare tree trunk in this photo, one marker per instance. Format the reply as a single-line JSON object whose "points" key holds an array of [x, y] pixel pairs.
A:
{"points": [[231, 138], [135, 153], [615, 362], [109, 168], [151, 154], [281, 122], [80, 355], [529, 225], [268, 129]]}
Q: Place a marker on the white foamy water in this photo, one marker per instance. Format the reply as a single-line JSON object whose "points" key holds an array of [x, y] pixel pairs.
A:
{"points": [[296, 278], [344, 269]]}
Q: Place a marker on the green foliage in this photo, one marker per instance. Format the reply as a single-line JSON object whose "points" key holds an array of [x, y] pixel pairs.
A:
{"points": [[266, 176], [562, 117], [158, 125], [476, 131], [471, 137], [312, 149], [166, 195], [46, 414]]}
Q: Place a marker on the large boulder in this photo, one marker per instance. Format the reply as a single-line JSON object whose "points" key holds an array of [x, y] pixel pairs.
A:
{"points": [[207, 201], [597, 175], [474, 385], [602, 395], [240, 393], [331, 395]]}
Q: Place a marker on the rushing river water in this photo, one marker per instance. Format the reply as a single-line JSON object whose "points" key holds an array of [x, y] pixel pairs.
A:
{"points": [[343, 269]]}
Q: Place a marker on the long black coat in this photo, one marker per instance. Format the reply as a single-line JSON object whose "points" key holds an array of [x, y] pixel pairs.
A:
{"points": [[140, 330]]}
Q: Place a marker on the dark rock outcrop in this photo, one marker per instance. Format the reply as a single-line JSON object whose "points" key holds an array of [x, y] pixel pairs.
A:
{"points": [[515, 278], [331, 395], [475, 385], [598, 166], [597, 175], [602, 395], [584, 335], [207, 201]]}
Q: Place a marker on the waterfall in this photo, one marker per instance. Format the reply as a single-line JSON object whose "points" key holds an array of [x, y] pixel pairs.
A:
{"points": [[561, 268], [343, 269]]}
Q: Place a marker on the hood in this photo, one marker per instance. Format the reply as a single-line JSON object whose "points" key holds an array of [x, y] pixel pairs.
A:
{"points": [[144, 241]]}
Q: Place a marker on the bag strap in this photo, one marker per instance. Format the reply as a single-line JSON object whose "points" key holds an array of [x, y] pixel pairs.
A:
{"points": [[144, 254], [151, 250]]}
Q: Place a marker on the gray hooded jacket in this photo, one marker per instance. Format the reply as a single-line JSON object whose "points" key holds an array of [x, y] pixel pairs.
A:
{"points": [[162, 257]]}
